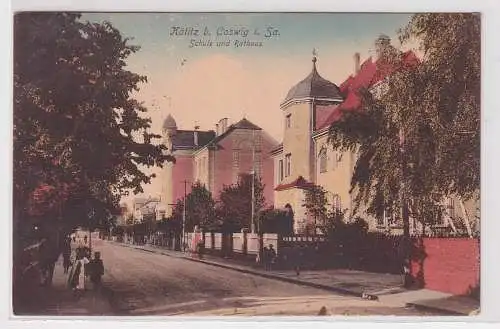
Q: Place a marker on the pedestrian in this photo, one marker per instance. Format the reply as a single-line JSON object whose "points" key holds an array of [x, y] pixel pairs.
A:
{"points": [[265, 258], [201, 249], [66, 254], [75, 270], [272, 256], [96, 270], [78, 277], [298, 258]]}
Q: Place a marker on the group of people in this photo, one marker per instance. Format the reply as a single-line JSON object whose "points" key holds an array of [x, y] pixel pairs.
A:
{"points": [[79, 264], [269, 257]]}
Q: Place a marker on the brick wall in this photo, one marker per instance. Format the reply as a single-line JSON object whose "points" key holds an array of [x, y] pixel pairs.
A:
{"points": [[449, 264], [182, 170]]}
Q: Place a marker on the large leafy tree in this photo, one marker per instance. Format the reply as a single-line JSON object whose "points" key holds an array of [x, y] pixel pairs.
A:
{"points": [[316, 203], [419, 139], [200, 207], [235, 203], [80, 138]]}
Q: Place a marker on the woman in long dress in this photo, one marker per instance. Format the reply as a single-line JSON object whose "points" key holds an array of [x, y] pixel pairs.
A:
{"points": [[81, 277], [77, 275]]}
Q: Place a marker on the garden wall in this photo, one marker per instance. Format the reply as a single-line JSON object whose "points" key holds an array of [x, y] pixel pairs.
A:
{"points": [[448, 264]]}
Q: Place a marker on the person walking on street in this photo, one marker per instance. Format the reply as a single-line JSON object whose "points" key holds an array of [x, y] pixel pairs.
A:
{"points": [[298, 258], [96, 269], [265, 258], [66, 254], [272, 256], [201, 249], [77, 277]]}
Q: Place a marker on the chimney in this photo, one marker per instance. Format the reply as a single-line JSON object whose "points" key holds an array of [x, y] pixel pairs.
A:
{"points": [[217, 129], [356, 63], [222, 126], [382, 44], [196, 135]]}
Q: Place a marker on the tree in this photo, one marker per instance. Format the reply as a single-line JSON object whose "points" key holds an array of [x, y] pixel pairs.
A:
{"points": [[273, 220], [316, 203], [80, 137], [235, 206], [200, 207], [419, 140]]}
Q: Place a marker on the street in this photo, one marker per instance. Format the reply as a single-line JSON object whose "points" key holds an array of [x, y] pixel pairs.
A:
{"points": [[145, 283]]}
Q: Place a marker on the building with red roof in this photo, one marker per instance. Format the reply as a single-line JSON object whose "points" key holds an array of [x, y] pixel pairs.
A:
{"points": [[304, 158], [214, 158]]}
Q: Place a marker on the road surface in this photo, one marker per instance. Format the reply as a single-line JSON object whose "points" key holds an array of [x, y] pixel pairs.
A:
{"points": [[144, 283]]}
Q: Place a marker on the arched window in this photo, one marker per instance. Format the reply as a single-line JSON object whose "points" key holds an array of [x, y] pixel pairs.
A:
{"points": [[323, 160], [336, 203]]}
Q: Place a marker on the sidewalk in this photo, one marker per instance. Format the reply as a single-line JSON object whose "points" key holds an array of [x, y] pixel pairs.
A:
{"points": [[347, 282], [386, 287], [60, 300]]}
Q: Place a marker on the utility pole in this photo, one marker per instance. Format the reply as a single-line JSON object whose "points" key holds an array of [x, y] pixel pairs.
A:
{"points": [[252, 224], [184, 217], [91, 217]]}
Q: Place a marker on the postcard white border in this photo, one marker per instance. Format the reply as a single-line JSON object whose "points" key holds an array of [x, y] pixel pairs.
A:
{"points": [[489, 171]]}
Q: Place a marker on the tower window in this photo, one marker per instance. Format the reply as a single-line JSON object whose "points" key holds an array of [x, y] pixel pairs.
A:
{"points": [[288, 165], [288, 121], [280, 171], [337, 204], [322, 158]]}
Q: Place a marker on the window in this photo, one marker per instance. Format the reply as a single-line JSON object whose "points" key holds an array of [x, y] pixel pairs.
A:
{"points": [[288, 165], [257, 164], [288, 121], [280, 171], [392, 218], [381, 220], [450, 205], [336, 203], [322, 158]]}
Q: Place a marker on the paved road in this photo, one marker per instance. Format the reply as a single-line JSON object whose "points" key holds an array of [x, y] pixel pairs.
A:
{"points": [[144, 283]]}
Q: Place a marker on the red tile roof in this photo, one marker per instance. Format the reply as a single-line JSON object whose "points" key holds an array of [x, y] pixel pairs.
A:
{"points": [[300, 182], [369, 74]]}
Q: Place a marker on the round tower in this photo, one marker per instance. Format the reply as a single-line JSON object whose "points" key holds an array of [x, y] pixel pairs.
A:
{"points": [[169, 130]]}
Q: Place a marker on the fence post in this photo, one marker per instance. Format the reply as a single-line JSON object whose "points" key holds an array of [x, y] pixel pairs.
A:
{"points": [[245, 243]]}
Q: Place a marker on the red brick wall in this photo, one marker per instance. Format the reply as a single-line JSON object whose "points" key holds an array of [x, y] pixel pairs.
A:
{"points": [[223, 165], [450, 265], [322, 113], [182, 170]]}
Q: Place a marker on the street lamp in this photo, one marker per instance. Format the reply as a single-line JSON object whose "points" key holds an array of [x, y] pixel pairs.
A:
{"points": [[91, 219], [184, 216], [252, 219]]}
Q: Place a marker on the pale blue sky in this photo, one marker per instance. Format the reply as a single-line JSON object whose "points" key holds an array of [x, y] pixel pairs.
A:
{"points": [[298, 31], [241, 82]]}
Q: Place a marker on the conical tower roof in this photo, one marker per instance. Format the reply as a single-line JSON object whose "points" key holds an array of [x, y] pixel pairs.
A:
{"points": [[169, 123], [314, 86]]}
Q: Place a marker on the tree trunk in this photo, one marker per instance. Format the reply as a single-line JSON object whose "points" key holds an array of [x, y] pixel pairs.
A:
{"points": [[450, 220], [466, 218]]}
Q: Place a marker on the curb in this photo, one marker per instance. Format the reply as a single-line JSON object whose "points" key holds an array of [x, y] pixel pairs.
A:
{"points": [[442, 311], [341, 291]]}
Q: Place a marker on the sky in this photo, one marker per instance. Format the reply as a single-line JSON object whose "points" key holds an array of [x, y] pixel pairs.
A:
{"points": [[200, 85]]}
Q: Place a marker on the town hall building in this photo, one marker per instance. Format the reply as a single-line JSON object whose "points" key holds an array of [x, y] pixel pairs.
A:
{"points": [[305, 158]]}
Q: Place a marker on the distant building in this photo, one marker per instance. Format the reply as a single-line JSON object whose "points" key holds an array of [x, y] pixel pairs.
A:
{"points": [[214, 158], [121, 219], [144, 208]]}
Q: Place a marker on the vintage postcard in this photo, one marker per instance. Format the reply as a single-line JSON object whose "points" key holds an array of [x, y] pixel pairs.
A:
{"points": [[246, 164]]}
